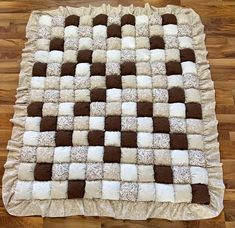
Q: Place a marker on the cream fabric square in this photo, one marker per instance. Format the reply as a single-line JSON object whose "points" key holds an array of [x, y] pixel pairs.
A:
{"points": [[113, 108], [129, 81], [128, 30], [161, 109], [99, 56], [162, 157], [156, 30], [145, 173], [172, 55], [59, 189], [26, 171], [82, 95], [142, 42], [183, 193], [192, 95], [97, 82], [195, 142], [70, 56], [81, 123], [128, 155], [43, 44], [93, 189], [23, 190], [80, 138], [146, 192]]}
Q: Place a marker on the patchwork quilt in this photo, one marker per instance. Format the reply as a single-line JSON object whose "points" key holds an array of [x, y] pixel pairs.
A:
{"points": [[115, 116]]}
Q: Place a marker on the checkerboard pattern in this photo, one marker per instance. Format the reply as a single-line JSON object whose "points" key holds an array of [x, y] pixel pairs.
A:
{"points": [[115, 112]]}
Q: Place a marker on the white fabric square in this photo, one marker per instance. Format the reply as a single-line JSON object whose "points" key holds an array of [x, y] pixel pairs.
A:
{"points": [[183, 193], [95, 154], [144, 81], [66, 109], [145, 124], [82, 69], [164, 193], [128, 42], [62, 154], [198, 175], [85, 43], [185, 42], [129, 172], [41, 190], [192, 95], [128, 155], [145, 173], [170, 30], [59, 189], [141, 19], [66, 82], [112, 138], [32, 123], [80, 138], [71, 31], [114, 94], [177, 110], [142, 55], [45, 20], [23, 190], [30, 138], [175, 81], [145, 140], [26, 171], [158, 55], [179, 157], [195, 142], [38, 82], [189, 67], [41, 56], [129, 109], [77, 171], [113, 56], [146, 192], [99, 30], [93, 189], [96, 123], [55, 56], [110, 190]]}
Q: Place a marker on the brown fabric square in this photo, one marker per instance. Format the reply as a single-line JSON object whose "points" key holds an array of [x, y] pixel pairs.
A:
{"points": [[169, 19], [57, 44], [163, 174], [161, 125], [187, 54], [114, 31], [193, 110], [43, 172], [63, 138], [173, 68], [113, 123], [48, 123], [200, 194], [35, 109], [157, 42], [145, 109], [112, 154], [39, 69], [98, 69], [98, 95], [68, 69], [113, 81], [129, 139], [176, 94], [76, 189], [178, 141], [84, 56], [82, 109], [128, 68], [72, 20], [100, 19], [96, 138], [128, 19]]}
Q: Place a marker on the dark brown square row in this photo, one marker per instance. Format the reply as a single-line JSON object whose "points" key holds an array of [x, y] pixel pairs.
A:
{"points": [[39, 69], [169, 19], [144, 109], [100, 19], [64, 138], [98, 95], [200, 194], [161, 125], [84, 56], [76, 189], [96, 138], [48, 123], [72, 20], [112, 154], [114, 31], [193, 110], [173, 68], [187, 54], [82, 109], [113, 123], [163, 174], [113, 81], [128, 19], [57, 44], [156, 42], [128, 68], [98, 69], [43, 171], [68, 69], [178, 141], [129, 139], [176, 94], [35, 109]]}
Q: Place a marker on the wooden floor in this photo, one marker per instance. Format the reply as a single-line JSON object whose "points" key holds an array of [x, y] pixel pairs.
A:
{"points": [[218, 16]]}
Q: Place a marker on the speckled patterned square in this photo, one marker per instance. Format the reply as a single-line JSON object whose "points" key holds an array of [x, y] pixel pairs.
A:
{"points": [[114, 117]]}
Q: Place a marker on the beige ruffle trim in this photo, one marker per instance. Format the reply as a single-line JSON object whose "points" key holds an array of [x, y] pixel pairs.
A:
{"points": [[116, 209]]}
